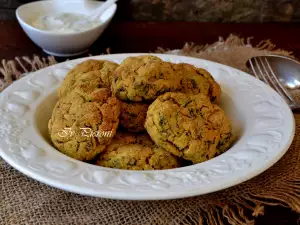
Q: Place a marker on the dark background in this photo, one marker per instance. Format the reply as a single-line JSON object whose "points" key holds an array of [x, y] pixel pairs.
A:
{"points": [[240, 11]]}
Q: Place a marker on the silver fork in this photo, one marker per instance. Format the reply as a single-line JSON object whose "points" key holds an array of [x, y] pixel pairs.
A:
{"points": [[263, 68]]}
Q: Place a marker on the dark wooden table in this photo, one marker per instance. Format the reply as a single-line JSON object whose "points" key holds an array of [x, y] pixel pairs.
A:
{"points": [[126, 37]]}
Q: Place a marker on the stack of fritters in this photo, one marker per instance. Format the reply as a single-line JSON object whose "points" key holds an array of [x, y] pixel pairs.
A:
{"points": [[85, 106], [165, 113]]}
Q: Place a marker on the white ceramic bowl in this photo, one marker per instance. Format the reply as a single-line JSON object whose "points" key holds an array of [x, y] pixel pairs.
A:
{"points": [[261, 119], [62, 44]]}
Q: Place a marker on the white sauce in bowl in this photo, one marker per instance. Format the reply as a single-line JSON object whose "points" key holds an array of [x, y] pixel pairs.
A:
{"points": [[64, 23]]}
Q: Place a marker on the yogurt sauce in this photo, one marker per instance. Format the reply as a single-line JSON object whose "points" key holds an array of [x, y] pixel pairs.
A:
{"points": [[64, 23]]}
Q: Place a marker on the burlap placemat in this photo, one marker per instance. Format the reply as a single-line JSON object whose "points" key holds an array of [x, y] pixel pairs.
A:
{"points": [[25, 201]]}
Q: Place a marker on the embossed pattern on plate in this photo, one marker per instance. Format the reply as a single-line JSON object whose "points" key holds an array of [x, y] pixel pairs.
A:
{"points": [[266, 131]]}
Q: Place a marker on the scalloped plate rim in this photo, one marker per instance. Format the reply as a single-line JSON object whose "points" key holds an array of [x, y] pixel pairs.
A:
{"points": [[140, 196]]}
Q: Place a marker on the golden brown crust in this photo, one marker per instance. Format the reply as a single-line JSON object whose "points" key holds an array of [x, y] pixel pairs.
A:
{"points": [[196, 80], [189, 126], [136, 152], [143, 78], [186, 125], [82, 125], [100, 69], [133, 115], [122, 137]]}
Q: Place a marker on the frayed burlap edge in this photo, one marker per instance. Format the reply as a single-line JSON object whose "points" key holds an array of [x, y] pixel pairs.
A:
{"points": [[233, 51], [234, 210], [12, 70]]}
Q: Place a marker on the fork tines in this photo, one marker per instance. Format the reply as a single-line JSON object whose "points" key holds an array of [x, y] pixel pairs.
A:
{"points": [[262, 70]]}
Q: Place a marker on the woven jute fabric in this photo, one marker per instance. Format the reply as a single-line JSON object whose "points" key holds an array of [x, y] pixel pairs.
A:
{"points": [[26, 201]]}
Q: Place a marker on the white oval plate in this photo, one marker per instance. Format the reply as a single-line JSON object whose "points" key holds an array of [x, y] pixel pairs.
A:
{"points": [[261, 118]]}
